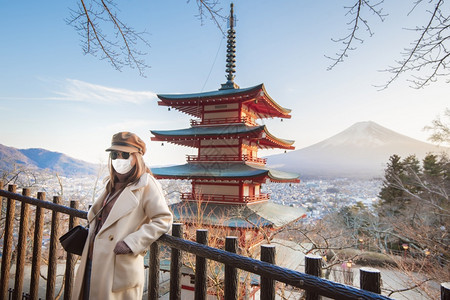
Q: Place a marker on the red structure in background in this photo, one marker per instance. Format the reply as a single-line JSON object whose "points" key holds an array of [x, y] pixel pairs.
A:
{"points": [[227, 168], [227, 174]]}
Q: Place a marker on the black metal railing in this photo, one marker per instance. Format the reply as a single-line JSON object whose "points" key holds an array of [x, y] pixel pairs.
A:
{"points": [[269, 273]]}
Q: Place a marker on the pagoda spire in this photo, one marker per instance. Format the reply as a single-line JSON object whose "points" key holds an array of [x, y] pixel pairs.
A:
{"points": [[231, 53]]}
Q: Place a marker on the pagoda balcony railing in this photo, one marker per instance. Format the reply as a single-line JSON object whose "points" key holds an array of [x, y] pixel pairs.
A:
{"points": [[244, 157], [224, 198], [217, 121], [31, 229]]}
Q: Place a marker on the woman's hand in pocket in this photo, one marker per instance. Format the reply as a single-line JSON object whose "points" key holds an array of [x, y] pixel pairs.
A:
{"points": [[122, 248]]}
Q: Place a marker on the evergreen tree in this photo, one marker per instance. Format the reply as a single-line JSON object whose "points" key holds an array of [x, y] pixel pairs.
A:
{"points": [[445, 165], [412, 170], [411, 164], [416, 198], [391, 194], [432, 167]]}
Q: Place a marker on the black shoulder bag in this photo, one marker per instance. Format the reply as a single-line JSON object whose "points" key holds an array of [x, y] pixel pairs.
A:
{"points": [[73, 240]]}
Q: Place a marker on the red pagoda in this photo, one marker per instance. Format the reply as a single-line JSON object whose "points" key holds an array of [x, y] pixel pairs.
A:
{"points": [[227, 174]]}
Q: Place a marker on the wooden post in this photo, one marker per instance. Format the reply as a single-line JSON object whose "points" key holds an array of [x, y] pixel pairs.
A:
{"points": [[294, 278], [267, 284], [1, 199], [445, 291], [231, 279], [37, 248], [21, 246], [313, 266], [153, 272], [70, 259], [175, 265], [7, 243], [52, 259], [370, 279], [200, 267], [1, 213]]}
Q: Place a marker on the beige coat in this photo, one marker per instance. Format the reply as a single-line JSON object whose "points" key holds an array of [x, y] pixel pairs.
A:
{"points": [[139, 217]]}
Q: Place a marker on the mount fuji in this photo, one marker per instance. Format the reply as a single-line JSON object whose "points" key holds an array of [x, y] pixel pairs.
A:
{"points": [[362, 150]]}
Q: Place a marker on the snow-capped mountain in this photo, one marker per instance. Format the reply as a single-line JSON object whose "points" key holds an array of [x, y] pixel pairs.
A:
{"points": [[362, 150]]}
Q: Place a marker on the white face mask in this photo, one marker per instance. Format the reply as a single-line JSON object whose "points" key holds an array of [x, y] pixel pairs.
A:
{"points": [[122, 166]]}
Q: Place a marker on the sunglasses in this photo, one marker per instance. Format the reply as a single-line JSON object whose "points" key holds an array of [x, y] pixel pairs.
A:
{"points": [[116, 154]]}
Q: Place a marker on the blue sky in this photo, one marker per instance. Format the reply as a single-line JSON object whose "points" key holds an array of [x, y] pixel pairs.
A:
{"points": [[53, 96]]}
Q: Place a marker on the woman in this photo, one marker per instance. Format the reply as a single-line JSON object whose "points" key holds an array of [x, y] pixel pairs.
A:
{"points": [[129, 215]]}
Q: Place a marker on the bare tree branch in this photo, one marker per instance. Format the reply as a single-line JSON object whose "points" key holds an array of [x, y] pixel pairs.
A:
{"points": [[208, 9], [408, 288], [105, 35], [440, 129], [430, 53], [431, 190], [103, 32], [356, 11]]}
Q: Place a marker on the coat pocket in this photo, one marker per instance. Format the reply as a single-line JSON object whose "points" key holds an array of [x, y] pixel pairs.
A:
{"points": [[128, 272]]}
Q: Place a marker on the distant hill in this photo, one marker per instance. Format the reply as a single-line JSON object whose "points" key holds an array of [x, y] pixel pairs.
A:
{"points": [[362, 150], [45, 160]]}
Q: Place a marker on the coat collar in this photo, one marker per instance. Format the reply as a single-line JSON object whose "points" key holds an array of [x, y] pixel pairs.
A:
{"points": [[125, 203], [141, 183]]}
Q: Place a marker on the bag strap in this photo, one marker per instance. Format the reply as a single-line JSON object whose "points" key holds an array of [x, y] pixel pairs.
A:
{"points": [[103, 206]]}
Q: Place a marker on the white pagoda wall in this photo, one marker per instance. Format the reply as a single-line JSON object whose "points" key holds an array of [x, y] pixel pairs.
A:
{"points": [[249, 150], [246, 112], [219, 147], [221, 111], [251, 189], [220, 151], [228, 190], [227, 147]]}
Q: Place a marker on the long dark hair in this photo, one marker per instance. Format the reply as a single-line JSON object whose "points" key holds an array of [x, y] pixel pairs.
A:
{"points": [[138, 170]]}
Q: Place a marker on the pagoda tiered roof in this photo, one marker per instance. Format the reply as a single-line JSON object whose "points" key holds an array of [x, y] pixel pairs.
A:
{"points": [[255, 97], [223, 171], [191, 136], [226, 173], [255, 215]]}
